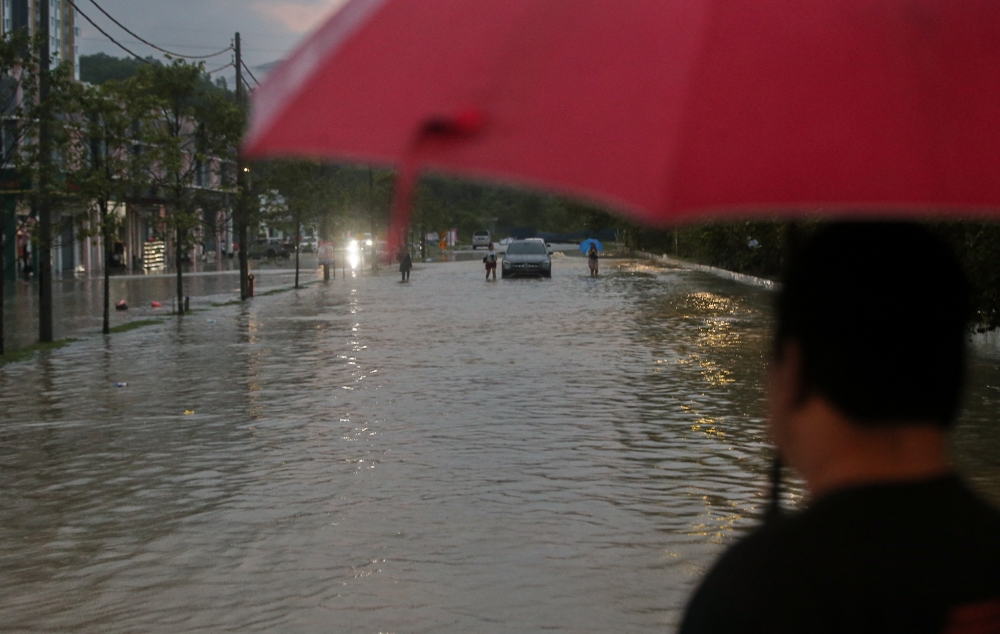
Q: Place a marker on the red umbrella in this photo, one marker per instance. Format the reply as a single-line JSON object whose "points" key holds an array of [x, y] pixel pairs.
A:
{"points": [[664, 109]]}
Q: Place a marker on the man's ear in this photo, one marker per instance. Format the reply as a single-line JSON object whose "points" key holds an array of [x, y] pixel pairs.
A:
{"points": [[802, 389], [784, 395], [788, 364]]}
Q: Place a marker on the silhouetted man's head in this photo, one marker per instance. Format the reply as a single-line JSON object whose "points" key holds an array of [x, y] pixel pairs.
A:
{"points": [[879, 311]]}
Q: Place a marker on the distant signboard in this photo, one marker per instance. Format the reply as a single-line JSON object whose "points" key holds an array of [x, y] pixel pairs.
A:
{"points": [[154, 254], [325, 251]]}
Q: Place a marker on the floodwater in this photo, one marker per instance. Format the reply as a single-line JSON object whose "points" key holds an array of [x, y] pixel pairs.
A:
{"points": [[78, 301], [447, 455]]}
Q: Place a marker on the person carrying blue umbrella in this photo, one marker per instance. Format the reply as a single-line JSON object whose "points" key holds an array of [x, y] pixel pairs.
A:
{"points": [[592, 247]]}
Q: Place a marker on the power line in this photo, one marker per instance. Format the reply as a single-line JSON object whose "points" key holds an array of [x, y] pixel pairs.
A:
{"points": [[147, 42], [244, 64], [211, 72], [105, 33], [83, 38]]}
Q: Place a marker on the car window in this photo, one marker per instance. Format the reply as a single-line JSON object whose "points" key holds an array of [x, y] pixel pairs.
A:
{"points": [[481, 233], [527, 248]]}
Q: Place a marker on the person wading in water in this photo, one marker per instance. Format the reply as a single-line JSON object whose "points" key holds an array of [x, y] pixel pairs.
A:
{"points": [[491, 263], [869, 360], [405, 264], [592, 260]]}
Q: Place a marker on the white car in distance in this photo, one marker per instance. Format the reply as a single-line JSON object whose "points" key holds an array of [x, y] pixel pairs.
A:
{"points": [[480, 239]]}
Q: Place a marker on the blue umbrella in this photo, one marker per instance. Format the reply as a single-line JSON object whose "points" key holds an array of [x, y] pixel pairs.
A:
{"points": [[585, 245]]}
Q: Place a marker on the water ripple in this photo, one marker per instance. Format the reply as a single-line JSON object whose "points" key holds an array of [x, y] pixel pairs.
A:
{"points": [[366, 456]]}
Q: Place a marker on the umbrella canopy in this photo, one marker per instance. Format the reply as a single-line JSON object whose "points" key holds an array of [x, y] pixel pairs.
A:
{"points": [[585, 245], [664, 110]]}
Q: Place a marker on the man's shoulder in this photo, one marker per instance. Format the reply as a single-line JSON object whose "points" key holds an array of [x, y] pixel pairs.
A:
{"points": [[882, 548], [730, 596]]}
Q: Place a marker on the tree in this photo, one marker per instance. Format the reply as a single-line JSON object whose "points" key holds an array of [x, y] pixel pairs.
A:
{"points": [[101, 67], [191, 135], [300, 192], [39, 160], [103, 170], [18, 69]]}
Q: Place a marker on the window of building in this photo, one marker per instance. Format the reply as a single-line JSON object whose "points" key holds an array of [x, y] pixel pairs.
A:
{"points": [[7, 9]]}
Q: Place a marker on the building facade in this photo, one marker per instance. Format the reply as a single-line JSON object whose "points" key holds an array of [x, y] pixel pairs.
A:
{"points": [[63, 30], [75, 250], [67, 252]]}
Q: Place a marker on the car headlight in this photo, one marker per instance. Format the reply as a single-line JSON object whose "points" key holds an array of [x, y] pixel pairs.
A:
{"points": [[506, 264], [546, 264]]}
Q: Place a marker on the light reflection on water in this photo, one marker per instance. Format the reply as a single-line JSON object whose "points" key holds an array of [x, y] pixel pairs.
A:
{"points": [[446, 455]]}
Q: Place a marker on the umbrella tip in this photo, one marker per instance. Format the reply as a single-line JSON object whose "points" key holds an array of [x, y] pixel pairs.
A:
{"points": [[463, 122]]}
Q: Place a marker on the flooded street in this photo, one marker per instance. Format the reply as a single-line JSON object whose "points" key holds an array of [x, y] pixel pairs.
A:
{"points": [[368, 456]]}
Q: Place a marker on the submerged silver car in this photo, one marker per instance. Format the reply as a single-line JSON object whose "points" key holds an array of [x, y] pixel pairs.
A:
{"points": [[527, 257]]}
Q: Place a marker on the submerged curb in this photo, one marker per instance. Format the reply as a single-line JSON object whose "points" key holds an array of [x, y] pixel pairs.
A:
{"points": [[742, 278]]}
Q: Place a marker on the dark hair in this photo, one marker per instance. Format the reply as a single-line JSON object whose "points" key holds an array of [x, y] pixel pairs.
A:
{"points": [[880, 311]]}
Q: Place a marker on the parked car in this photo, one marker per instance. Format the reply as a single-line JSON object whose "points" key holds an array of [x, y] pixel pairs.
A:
{"points": [[270, 248], [480, 239], [527, 257]]}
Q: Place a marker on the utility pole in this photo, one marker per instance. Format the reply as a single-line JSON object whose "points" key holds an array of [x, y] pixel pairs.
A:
{"points": [[241, 187], [371, 208], [44, 203]]}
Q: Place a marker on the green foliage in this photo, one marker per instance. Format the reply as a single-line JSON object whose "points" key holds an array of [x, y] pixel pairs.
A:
{"points": [[44, 135], [444, 203], [101, 67], [295, 193], [360, 194], [192, 132], [755, 248], [726, 245], [102, 167], [18, 71]]}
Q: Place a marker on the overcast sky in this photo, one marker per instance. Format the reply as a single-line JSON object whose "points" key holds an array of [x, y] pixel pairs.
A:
{"points": [[269, 29]]}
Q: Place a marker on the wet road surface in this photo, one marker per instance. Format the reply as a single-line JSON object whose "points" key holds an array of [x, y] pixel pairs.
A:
{"points": [[446, 455]]}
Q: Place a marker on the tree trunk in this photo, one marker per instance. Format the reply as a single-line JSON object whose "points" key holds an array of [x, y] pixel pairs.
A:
{"points": [[178, 250], [106, 252], [244, 262], [218, 241], [298, 235], [3, 272], [371, 209], [45, 326]]}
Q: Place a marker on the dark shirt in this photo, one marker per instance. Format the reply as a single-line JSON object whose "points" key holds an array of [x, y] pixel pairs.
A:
{"points": [[916, 557], [405, 262]]}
